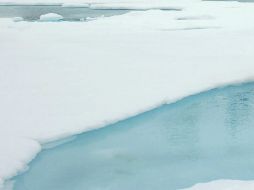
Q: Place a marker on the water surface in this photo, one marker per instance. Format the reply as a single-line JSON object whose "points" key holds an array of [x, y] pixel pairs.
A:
{"points": [[198, 139], [33, 12]]}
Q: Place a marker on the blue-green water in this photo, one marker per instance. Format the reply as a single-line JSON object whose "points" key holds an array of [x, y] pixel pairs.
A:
{"points": [[198, 139], [33, 12]]}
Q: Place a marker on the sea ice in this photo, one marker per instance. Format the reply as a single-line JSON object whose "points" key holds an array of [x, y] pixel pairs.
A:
{"points": [[51, 17], [66, 78]]}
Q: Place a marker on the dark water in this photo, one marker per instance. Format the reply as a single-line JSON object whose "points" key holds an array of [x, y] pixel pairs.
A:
{"points": [[198, 139], [32, 13]]}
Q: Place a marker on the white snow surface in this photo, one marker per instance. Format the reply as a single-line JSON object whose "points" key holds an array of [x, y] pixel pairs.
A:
{"points": [[63, 78], [51, 17]]}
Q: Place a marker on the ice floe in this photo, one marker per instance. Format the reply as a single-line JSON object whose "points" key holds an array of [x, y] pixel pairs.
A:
{"points": [[51, 17], [66, 78]]}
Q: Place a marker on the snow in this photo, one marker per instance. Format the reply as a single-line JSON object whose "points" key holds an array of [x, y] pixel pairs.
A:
{"points": [[51, 17], [63, 78]]}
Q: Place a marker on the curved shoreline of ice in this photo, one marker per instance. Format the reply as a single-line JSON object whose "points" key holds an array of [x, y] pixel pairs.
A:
{"points": [[50, 89], [222, 184]]}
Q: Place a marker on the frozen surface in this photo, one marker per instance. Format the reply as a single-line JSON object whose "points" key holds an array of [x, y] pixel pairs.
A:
{"points": [[59, 79], [51, 17], [198, 139]]}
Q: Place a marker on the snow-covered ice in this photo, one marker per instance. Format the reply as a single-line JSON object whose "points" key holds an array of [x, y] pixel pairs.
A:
{"points": [[51, 17], [59, 79]]}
